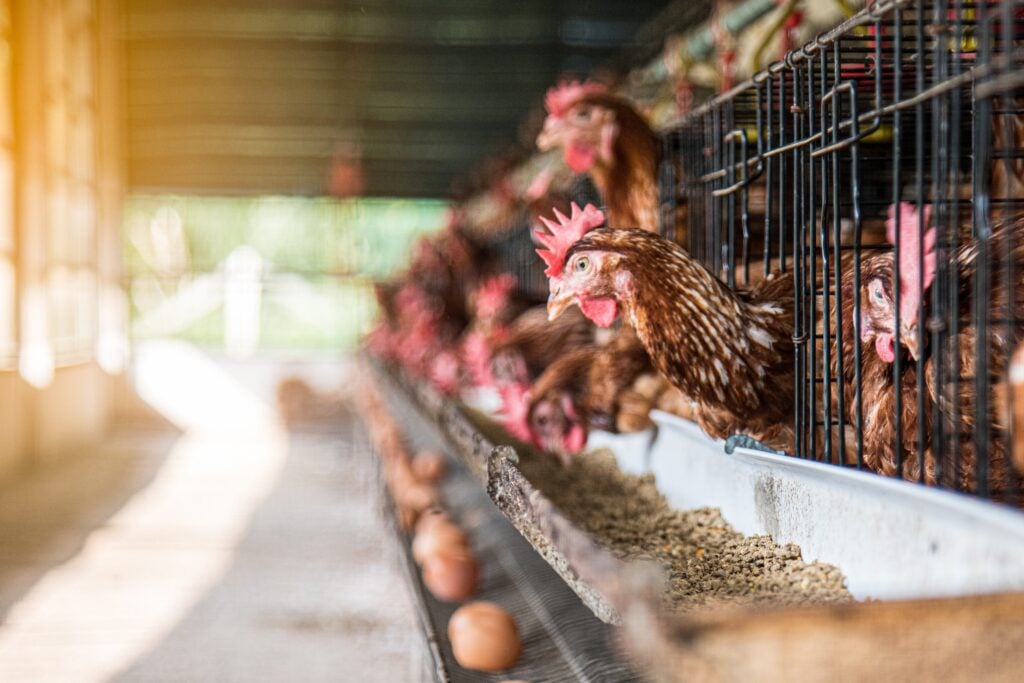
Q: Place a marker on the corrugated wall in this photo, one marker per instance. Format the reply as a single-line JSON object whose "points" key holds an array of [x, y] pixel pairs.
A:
{"points": [[252, 96]]}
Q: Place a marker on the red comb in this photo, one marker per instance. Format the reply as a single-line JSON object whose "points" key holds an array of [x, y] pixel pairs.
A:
{"points": [[565, 94], [477, 353], [493, 295], [566, 232], [444, 372], [914, 281], [515, 410]]}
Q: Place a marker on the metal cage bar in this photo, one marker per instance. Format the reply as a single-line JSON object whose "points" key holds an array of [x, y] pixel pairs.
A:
{"points": [[904, 120]]}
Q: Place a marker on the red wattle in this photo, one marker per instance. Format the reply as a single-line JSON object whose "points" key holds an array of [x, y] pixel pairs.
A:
{"points": [[575, 439], [602, 311], [885, 348], [579, 157]]}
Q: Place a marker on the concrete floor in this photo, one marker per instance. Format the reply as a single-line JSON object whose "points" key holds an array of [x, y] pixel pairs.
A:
{"points": [[222, 549]]}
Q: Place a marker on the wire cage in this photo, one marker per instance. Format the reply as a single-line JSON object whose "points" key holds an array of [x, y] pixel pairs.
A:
{"points": [[841, 164], [514, 248]]}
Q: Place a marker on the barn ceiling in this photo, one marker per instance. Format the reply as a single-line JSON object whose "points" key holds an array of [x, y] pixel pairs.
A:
{"points": [[380, 97]]}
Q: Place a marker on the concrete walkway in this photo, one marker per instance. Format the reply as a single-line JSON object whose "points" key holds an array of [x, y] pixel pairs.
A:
{"points": [[223, 550]]}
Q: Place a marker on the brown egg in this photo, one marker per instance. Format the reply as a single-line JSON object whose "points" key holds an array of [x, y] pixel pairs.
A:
{"points": [[406, 518], [484, 637], [418, 496], [400, 476], [407, 489], [451, 575], [437, 537], [388, 443], [428, 466], [430, 517]]}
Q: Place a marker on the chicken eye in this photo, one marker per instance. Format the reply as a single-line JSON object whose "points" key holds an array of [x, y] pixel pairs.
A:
{"points": [[582, 264], [877, 296]]}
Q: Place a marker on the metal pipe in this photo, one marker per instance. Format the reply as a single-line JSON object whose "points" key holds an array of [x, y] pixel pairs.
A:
{"points": [[701, 43]]}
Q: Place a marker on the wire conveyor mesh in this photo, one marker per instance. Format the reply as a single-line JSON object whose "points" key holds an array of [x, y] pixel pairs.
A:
{"points": [[562, 639]]}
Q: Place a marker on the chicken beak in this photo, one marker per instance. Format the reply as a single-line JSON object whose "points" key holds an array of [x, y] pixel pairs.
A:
{"points": [[550, 135], [909, 339], [557, 303]]}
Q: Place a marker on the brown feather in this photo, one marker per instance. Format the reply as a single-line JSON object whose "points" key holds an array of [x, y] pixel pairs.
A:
{"points": [[629, 183], [729, 351], [541, 342], [881, 445]]}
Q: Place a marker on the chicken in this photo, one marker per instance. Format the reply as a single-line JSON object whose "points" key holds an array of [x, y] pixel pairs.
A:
{"points": [[493, 304], [957, 412], [1005, 313], [882, 451], [424, 312], [648, 392], [493, 309], [613, 370], [603, 135], [551, 422], [729, 351], [530, 344], [583, 390]]}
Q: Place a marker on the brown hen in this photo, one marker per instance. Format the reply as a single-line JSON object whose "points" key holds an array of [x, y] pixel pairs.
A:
{"points": [[729, 351], [523, 350], [882, 445], [583, 390], [604, 136]]}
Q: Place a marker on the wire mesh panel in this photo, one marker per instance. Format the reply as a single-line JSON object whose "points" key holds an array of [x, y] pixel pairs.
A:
{"points": [[882, 165]]}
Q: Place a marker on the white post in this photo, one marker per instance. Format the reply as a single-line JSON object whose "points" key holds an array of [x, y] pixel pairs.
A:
{"points": [[243, 269]]}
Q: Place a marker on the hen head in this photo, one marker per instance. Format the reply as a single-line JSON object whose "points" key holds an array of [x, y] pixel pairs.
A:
{"points": [[581, 122], [476, 354], [549, 423], [492, 298], [589, 278], [508, 367], [877, 320], [917, 271], [555, 426]]}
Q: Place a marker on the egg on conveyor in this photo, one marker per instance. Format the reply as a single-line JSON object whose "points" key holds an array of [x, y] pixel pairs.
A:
{"points": [[484, 637], [452, 574], [438, 536], [428, 466]]}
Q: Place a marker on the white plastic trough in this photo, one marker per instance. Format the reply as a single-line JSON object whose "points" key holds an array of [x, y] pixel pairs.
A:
{"points": [[632, 451], [892, 539]]}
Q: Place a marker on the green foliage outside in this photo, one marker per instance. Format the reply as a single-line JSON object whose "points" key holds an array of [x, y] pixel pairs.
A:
{"points": [[318, 259]]}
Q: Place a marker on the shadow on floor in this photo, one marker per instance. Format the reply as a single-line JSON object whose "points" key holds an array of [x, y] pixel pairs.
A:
{"points": [[47, 515], [313, 592], [227, 551]]}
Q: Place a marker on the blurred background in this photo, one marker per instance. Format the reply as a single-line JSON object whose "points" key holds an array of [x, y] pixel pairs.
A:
{"points": [[235, 173], [195, 198]]}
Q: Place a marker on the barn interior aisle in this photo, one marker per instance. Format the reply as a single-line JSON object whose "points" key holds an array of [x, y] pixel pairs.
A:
{"points": [[467, 341], [206, 543]]}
